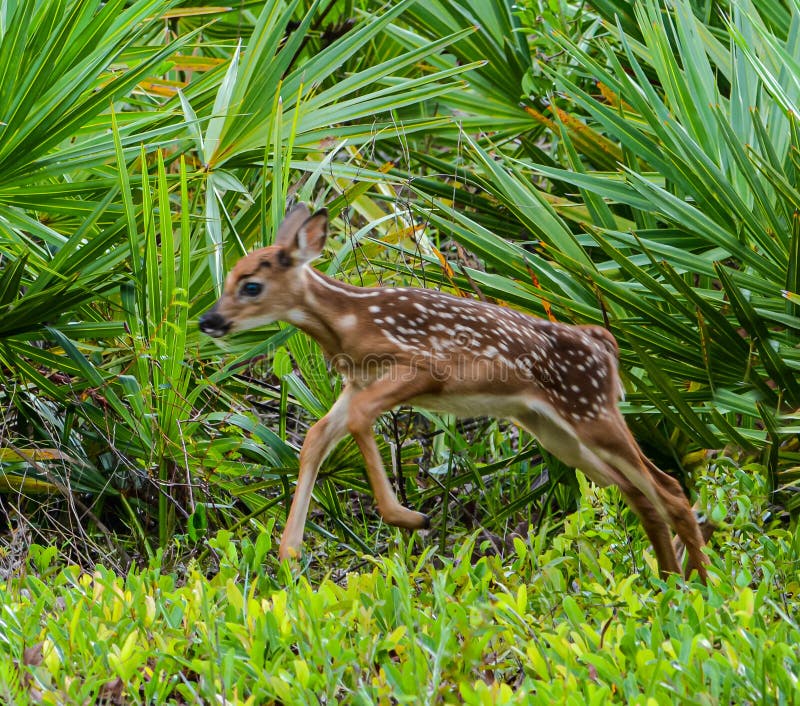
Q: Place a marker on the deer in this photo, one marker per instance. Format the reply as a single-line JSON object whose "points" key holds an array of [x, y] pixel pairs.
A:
{"points": [[448, 354]]}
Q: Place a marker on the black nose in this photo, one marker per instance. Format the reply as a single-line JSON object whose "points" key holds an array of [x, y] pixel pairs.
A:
{"points": [[213, 324]]}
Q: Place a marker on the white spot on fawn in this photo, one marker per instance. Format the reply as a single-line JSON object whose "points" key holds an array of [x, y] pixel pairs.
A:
{"points": [[348, 321]]}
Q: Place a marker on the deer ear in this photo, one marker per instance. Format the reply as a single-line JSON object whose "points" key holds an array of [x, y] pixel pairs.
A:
{"points": [[287, 230], [310, 237]]}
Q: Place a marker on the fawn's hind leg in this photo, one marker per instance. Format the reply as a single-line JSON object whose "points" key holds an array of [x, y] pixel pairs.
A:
{"points": [[565, 442]]}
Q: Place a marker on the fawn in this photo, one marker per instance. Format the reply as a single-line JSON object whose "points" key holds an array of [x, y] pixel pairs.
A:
{"points": [[404, 345]]}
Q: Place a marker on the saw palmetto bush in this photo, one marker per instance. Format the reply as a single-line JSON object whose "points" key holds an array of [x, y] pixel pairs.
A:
{"points": [[124, 163], [672, 215], [636, 169]]}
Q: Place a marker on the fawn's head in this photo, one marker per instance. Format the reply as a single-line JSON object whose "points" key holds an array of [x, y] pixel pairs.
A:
{"points": [[265, 285]]}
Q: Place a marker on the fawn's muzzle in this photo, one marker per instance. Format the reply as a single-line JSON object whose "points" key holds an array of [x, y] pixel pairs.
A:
{"points": [[213, 324]]}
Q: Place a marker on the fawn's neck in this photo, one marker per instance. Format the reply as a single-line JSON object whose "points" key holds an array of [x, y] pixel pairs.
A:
{"points": [[328, 310]]}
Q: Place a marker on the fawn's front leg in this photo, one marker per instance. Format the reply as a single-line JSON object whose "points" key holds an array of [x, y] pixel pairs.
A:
{"points": [[321, 438], [366, 406]]}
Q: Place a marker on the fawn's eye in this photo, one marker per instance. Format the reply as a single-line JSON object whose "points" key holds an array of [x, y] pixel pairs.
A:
{"points": [[251, 289]]}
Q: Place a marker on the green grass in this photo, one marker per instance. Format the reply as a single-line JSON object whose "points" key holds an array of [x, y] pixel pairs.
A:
{"points": [[580, 619]]}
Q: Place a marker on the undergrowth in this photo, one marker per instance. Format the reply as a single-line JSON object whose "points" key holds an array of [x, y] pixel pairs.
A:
{"points": [[574, 619]]}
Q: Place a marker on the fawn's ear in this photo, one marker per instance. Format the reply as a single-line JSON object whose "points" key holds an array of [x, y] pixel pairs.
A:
{"points": [[308, 238], [294, 218]]}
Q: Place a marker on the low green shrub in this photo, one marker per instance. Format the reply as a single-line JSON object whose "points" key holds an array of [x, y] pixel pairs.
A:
{"points": [[573, 620]]}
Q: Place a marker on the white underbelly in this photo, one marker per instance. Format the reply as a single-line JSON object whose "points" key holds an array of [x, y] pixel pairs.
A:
{"points": [[472, 405]]}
